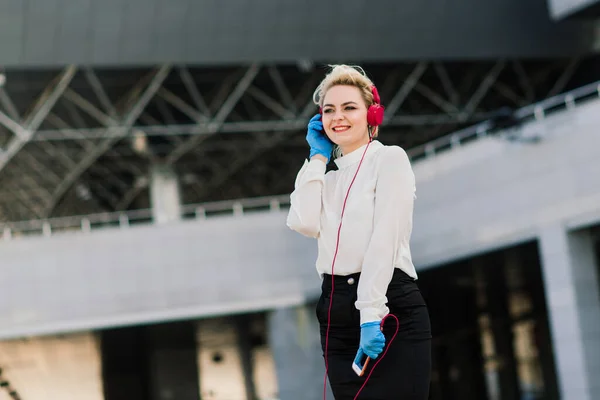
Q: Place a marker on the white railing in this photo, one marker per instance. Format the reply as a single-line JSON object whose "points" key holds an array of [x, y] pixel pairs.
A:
{"points": [[535, 111], [86, 223], [238, 207]]}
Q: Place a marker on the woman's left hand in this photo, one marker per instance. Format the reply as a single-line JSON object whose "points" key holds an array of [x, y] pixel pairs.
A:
{"points": [[372, 340]]}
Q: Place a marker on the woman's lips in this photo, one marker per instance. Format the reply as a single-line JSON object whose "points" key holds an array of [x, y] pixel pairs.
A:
{"points": [[341, 128]]}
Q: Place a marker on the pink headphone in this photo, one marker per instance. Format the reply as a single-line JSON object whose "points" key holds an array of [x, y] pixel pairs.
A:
{"points": [[375, 111]]}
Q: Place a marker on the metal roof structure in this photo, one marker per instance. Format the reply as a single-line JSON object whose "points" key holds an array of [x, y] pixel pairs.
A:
{"points": [[93, 93], [81, 140], [101, 33]]}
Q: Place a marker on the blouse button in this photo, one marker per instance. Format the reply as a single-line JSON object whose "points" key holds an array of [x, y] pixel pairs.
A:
{"points": [[350, 281]]}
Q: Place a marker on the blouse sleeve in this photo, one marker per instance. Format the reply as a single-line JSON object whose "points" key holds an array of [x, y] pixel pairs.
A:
{"points": [[392, 223], [305, 201]]}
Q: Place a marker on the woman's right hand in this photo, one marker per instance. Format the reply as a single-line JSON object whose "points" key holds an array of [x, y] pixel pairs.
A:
{"points": [[317, 140]]}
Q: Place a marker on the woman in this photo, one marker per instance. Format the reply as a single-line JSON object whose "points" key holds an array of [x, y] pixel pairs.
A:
{"points": [[364, 258]]}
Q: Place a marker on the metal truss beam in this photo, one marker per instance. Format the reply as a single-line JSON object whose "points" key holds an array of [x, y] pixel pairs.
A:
{"points": [[8, 105], [451, 112], [482, 89], [26, 131], [217, 121], [247, 156], [243, 158], [282, 89], [220, 174], [565, 77], [204, 129], [405, 89], [70, 164], [141, 182], [214, 124], [192, 89], [128, 120]]}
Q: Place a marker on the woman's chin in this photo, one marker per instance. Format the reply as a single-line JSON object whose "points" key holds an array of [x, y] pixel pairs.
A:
{"points": [[342, 140], [345, 141]]}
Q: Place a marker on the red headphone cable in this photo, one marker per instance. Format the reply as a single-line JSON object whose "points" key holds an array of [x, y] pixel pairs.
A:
{"points": [[332, 271], [383, 354], [333, 284]]}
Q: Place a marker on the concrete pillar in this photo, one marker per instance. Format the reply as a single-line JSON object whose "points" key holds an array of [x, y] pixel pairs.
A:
{"points": [[502, 329], [165, 197], [172, 370], [573, 299], [242, 328], [296, 346]]}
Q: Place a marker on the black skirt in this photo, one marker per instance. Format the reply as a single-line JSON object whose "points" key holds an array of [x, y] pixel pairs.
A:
{"points": [[404, 372]]}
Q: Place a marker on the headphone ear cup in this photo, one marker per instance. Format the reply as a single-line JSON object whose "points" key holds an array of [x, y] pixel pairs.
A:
{"points": [[375, 115]]}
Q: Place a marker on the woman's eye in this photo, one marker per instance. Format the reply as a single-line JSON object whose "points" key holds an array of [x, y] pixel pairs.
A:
{"points": [[347, 108]]}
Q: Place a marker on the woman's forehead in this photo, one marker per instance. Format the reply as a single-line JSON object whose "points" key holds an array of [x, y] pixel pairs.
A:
{"points": [[340, 94]]}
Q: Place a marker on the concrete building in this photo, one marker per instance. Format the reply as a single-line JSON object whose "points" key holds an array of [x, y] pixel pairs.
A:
{"points": [[144, 186]]}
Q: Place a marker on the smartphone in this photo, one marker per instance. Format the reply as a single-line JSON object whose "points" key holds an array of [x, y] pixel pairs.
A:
{"points": [[359, 365]]}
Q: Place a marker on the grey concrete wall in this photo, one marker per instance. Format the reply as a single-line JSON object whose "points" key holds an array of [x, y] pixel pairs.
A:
{"points": [[296, 345], [142, 32], [486, 195], [571, 281], [140, 274], [493, 193]]}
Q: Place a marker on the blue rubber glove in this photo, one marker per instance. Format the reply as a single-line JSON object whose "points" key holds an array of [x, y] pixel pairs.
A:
{"points": [[372, 340], [317, 140]]}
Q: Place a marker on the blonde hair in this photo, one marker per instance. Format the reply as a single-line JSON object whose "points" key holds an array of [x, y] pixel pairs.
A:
{"points": [[348, 75]]}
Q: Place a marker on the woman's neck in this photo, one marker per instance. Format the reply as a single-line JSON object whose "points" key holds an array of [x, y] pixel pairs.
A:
{"points": [[354, 146]]}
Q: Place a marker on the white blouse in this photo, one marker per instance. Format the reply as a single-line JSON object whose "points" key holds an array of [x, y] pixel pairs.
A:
{"points": [[377, 221]]}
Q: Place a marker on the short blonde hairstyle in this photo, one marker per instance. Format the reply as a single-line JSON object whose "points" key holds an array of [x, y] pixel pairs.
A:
{"points": [[348, 75]]}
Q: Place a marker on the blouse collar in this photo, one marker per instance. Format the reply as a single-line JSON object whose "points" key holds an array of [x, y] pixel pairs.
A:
{"points": [[355, 156]]}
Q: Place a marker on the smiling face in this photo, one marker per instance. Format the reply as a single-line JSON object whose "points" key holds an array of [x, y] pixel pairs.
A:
{"points": [[345, 117]]}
